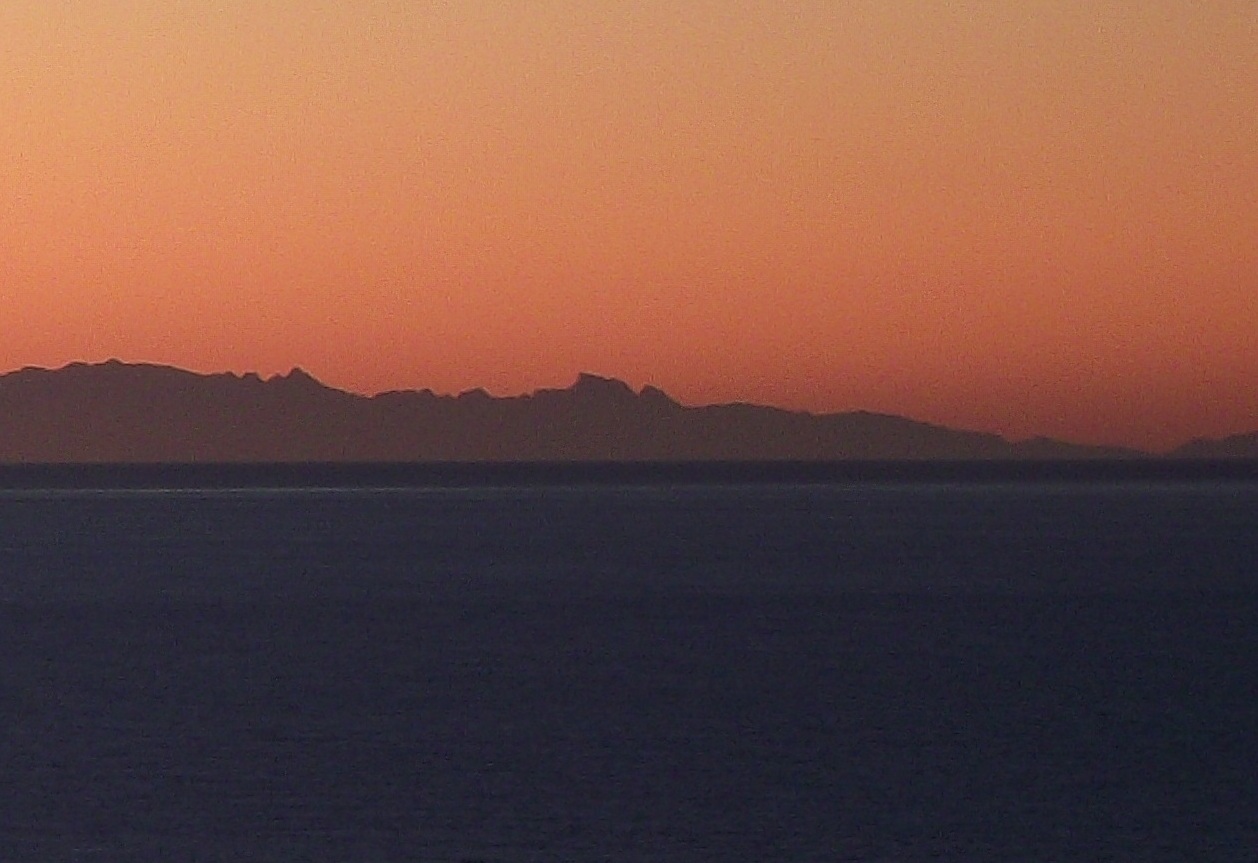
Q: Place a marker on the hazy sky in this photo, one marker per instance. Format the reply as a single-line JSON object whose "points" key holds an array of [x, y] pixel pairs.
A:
{"points": [[1026, 216]]}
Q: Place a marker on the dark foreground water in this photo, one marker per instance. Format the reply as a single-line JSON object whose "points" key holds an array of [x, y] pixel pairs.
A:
{"points": [[865, 671]]}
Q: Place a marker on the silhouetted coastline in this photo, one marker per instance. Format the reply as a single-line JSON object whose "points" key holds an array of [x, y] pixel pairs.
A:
{"points": [[523, 474], [118, 413]]}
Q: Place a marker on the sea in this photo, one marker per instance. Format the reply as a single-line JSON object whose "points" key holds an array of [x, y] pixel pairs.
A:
{"points": [[751, 663]]}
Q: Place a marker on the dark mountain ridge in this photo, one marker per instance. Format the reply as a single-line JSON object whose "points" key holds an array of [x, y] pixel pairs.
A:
{"points": [[1240, 446], [118, 412]]}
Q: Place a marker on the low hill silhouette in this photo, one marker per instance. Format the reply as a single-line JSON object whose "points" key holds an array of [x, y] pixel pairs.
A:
{"points": [[1241, 446], [118, 412]]}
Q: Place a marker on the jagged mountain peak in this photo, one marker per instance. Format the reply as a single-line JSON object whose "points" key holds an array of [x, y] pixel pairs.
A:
{"points": [[588, 384]]}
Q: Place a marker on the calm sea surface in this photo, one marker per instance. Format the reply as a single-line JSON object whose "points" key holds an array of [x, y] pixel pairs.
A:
{"points": [[869, 671]]}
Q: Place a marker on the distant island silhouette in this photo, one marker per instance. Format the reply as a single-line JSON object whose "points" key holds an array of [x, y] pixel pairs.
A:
{"points": [[123, 413]]}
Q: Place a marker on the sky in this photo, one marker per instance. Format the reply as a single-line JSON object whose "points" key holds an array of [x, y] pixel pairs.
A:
{"points": [[1036, 217]]}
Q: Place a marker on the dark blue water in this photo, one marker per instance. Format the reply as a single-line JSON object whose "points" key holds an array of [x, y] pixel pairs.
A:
{"points": [[894, 672]]}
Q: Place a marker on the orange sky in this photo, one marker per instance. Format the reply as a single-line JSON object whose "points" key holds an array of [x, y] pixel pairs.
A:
{"points": [[1030, 217]]}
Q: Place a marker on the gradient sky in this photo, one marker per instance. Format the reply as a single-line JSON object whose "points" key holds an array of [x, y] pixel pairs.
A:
{"points": [[1024, 216]]}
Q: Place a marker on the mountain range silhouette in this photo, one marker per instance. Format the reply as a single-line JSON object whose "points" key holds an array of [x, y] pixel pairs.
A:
{"points": [[117, 412]]}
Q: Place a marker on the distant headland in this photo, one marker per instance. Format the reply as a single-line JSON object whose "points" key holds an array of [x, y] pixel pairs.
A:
{"points": [[122, 413]]}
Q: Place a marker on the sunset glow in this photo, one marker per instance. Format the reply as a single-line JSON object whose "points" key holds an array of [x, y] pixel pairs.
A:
{"points": [[1029, 218]]}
